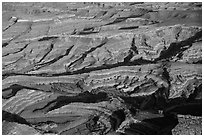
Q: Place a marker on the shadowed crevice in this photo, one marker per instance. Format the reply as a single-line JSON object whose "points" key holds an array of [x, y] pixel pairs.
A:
{"points": [[85, 97], [178, 47], [13, 89], [13, 118]]}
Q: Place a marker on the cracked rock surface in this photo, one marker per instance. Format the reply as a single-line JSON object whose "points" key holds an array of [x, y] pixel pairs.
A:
{"points": [[95, 68]]}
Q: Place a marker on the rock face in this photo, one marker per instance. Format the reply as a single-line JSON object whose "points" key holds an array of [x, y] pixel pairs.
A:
{"points": [[94, 68]]}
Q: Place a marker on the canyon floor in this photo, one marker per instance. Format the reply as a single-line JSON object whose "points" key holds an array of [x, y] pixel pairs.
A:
{"points": [[102, 68]]}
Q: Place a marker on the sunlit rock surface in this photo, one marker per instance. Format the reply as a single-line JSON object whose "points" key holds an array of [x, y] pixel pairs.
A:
{"points": [[95, 68]]}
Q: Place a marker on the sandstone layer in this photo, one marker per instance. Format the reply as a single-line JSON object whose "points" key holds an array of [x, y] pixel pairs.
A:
{"points": [[91, 68]]}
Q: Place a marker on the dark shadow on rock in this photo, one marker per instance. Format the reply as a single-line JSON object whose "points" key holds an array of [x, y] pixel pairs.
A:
{"points": [[13, 89], [85, 97], [178, 47], [117, 118], [153, 126], [7, 116]]}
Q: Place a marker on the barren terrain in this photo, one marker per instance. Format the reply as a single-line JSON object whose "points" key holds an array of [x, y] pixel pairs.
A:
{"points": [[102, 68]]}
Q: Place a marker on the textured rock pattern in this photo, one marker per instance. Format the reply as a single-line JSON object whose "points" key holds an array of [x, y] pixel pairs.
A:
{"points": [[102, 68], [188, 125]]}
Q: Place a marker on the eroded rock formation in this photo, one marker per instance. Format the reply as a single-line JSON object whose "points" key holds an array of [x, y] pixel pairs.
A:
{"points": [[101, 68]]}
